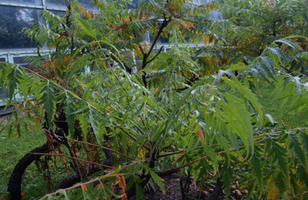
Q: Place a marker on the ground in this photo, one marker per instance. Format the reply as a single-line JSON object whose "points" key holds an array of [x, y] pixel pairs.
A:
{"points": [[174, 192]]}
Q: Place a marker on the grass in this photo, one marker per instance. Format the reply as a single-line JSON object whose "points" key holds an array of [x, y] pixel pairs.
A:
{"points": [[12, 149]]}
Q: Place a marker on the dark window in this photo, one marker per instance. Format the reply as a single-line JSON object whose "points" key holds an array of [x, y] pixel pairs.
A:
{"points": [[87, 3], [36, 2], [161, 39], [134, 4], [20, 60], [56, 3], [63, 3], [57, 12], [24, 61], [12, 20], [4, 93], [202, 1], [215, 15], [165, 40]]}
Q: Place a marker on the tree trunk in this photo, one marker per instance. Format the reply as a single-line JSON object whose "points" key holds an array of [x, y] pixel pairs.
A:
{"points": [[217, 190], [14, 186]]}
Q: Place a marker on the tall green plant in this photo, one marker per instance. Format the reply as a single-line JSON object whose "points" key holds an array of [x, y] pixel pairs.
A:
{"points": [[154, 112]]}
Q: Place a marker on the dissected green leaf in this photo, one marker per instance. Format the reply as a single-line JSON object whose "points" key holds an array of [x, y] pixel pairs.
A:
{"points": [[297, 147], [13, 79], [158, 180], [257, 168], [280, 154], [49, 100], [289, 43], [86, 27]]}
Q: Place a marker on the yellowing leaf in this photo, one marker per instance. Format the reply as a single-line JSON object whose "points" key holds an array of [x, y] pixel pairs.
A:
{"points": [[271, 189], [37, 124], [189, 25], [179, 156], [275, 193], [211, 6], [84, 187]]}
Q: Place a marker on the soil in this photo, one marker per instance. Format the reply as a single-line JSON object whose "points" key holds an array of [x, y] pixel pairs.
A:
{"points": [[173, 191]]}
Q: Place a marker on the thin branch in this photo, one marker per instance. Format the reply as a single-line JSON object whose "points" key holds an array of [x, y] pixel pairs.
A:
{"points": [[71, 151], [211, 86], [146, 55], [129, 70], [190, 81], [82, 160], [130, 135], [161, 48], [91, 181], [298, 195], [96, 145], [55, 137], [33, 72], [215, 145], [141, 50], [140, 129], [204, 157], [136, 38], [161, 28]]}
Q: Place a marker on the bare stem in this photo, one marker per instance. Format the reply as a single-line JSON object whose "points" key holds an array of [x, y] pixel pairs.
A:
{"points": [[204, 157], [93, 180], [86, 161], [130, 135], [215, 145], [96, 145]]}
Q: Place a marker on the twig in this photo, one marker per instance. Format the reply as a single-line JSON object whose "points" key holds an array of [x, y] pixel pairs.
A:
{"points": [[55, 137], [33, 72], [161, 48], [141, 50], [136, 38], [70, 149], [146, 55], [204, 157], [86, 161], [161, 28], [211, 86], [127, 133], [96, 145], [297, 196], [215, 145], [91, 181]]}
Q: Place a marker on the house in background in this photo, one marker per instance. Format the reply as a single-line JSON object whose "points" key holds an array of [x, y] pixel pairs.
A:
{"points": [[14, 46]]}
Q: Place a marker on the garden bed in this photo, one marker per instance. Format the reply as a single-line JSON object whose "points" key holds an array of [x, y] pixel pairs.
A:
{"points": [[175, 187]]}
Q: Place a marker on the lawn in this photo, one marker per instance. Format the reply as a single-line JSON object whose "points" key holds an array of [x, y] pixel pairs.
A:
{"points": [[12, 149]]}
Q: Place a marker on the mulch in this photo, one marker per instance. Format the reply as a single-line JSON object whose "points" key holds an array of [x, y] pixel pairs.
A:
{"points": [[173, 191]]}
